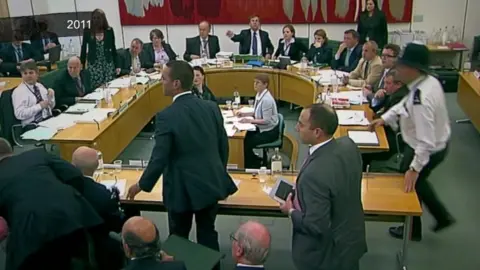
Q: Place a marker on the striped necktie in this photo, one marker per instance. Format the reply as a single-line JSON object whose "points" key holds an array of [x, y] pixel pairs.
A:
{"points": [[36, 92]]}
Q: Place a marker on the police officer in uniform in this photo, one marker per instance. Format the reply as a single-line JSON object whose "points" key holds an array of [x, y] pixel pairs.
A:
{"points": [[425, 128]]}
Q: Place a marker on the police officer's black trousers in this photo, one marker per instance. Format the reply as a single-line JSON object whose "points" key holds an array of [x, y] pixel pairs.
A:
{"points": [[425, 192]]}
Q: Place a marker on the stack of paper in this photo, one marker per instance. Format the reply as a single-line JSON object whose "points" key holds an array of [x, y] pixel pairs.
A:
{"points": [[227, 114], [363, 137], [98, 94], [351, 87], [325, 77], [355, 97], [246, 110], [224, 54], [120, 83], [62, 121], [120, 184], [155, 76], [230, 129], [352, 118], [142, 80], [245, 126], [39, 134], [198, 62], [94, 116], [81, 108]]}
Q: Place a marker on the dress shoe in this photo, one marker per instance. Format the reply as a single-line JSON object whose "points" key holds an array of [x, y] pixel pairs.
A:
{"points": [[443, 225], [397, 232]]}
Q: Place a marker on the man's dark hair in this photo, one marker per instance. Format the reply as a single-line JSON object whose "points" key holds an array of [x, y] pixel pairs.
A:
{"points": [[139, 41], [28, 66], [140, 248], [323, 117], [182, 71], [394, 48], [354, 33]]}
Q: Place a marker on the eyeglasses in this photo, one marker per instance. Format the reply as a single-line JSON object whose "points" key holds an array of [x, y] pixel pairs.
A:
{"points": [[388, 55], [232, 237]]}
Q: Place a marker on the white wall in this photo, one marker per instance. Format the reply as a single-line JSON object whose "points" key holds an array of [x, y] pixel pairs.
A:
{"points": [[428, 15]]}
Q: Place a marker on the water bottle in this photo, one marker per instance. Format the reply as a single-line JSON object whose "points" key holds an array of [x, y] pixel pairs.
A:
{"points": [[108, 97], [304, 63], [236, 99], [262, 174], [71, 47], [334, 81], [445, 36], [467, 65], [276, 163], [133, 77], [100, 163]]}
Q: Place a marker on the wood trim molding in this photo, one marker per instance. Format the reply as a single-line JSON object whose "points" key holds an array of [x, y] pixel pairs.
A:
{"points": [[4, 12]]}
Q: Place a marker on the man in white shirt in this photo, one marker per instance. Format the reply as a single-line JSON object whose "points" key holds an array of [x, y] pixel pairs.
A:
{"points": [[425, 128], [250, 246], [32, 102], [253, 41]]}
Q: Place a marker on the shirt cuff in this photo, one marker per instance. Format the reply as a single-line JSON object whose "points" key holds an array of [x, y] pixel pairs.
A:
{"points": [[290, 212], [337, 56], [416, 165]]}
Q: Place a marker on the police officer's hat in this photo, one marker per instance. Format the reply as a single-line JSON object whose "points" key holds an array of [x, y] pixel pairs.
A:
{"points": [[415, 56]]}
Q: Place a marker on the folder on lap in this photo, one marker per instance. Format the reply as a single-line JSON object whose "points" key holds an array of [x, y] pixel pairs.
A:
{"points": [[195, 256]]}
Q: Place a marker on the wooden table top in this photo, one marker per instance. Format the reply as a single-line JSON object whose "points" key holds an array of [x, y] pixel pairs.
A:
{"points": [[440, 48], [472, 81], [382, 194], [11, 82]]}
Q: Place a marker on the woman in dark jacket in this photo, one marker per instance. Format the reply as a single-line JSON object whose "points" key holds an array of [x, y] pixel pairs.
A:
{"points": [[372, 24], [287, 45], [320, 52], [199, 87], [158, 52], [99, 51]]}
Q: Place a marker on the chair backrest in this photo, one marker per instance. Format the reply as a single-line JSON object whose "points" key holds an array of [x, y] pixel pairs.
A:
{"points": [[48, 79], [7, 116], [304, 41], [290, 148], [281, 128]]}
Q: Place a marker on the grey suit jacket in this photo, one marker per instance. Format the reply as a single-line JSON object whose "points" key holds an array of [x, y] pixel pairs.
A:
{"points": [[329, 232], [266, 109]]}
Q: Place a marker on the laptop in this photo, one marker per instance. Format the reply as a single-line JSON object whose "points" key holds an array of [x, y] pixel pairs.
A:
{"points": [[54, 54]]}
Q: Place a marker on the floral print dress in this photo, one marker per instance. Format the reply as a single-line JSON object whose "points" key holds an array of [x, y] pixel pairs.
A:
{"points": [[102, 71]]}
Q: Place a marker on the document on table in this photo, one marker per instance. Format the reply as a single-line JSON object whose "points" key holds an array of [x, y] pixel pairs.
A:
{"points": [[325, 76], [230, 129], [363, 137], [98, 94], [39, 134], [142, 80], [354, 87], [120, 83], [354, 97], [228, 113], [245, 126], [81, 108], [155, 76], [246, 110], [352, 118], [59, 122], [94, 116], [237, 182], [121, 184]]}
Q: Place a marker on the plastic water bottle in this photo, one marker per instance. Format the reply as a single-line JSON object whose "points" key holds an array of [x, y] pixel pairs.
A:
{"points": [[304, 62], [236, 99], [71, 48], [276, 163], [334, 81], [108, 97], [100, 163], [467, 65], [262, 174], [133, 77], [445, 36]]}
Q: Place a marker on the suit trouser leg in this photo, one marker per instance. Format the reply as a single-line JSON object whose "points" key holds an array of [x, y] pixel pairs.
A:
{"points": [[206, 233], [180, 224]]}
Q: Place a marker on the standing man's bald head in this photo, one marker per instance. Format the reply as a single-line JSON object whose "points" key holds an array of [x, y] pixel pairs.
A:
{"points": [[140, 238], [74, 66], [6, 149], [86, 160], [251, 244]]}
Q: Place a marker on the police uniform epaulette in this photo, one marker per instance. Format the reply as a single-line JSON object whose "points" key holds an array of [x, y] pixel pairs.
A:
{"points": [[416, 97]]}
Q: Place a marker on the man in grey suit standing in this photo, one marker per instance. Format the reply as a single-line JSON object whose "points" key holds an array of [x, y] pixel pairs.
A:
{"points": [[326, 209]]}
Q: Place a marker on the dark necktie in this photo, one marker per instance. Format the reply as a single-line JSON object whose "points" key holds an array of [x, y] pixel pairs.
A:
{"points": [[19, 52], [36, 92], [205, 48], [381, 84], [254, 44], [365, 72], [79, 85]]}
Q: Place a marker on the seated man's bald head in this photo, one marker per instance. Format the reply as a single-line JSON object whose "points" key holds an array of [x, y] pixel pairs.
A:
{"points": [[140, 237], [85, 159], [5, 148], [74, 60], [252, 244], [74, 66]]}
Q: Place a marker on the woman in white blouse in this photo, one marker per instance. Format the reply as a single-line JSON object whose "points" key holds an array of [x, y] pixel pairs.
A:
{"points": [[158, 52]]}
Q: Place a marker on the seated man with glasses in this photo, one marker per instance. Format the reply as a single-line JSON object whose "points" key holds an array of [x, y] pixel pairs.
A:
{"points": [[250, 246]]}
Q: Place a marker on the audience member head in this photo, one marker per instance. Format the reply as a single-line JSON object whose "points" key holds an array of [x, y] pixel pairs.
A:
{"points": [[317, 123], [389, 55], [86, 160], [99, 22], [371, 6], [413, 63], [392, 82], [199, 76], [136, 46], [74, 66], [254, 22], [370, 49], [6, 149], [42, 25], [261, 82], [288, 32], [29, 72], [320, 36], [18, 37], [177, 77], [140, 238], [350, 38], [156, 37], [250, 244], [204, 29]]}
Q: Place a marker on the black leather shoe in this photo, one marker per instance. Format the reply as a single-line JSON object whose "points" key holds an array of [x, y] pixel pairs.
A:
{"points": [[443, 225], [397, 232]]}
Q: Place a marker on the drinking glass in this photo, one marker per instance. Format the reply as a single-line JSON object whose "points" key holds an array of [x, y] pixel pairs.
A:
{"points": [[118, 166]]}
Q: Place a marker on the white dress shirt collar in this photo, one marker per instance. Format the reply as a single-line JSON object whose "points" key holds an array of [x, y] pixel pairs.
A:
{"points": [[181, 94], [316, 146], [251, 266], [414, 84], [292, 40]]}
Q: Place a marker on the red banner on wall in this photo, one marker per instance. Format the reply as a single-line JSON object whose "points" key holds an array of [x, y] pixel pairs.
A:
{"points": [[160, 12]]}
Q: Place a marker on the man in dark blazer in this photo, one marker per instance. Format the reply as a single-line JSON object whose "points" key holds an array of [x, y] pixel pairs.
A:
{"points": [[41, 199], [16, 53], [203, 45], [250, 246], [133, 58], [349, 53], [72, 84], [253, 41], [191, 151], [43, 40], [141, 243], [326, 208]]}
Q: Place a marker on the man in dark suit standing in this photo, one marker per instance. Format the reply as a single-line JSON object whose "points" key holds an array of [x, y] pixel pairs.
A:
{"points": [[72, 84], [349, 53], [191, 151], [326, 210], [250, 246], [202, 46], [253, 41], [43, 40], [41, 199], [141, 244]]}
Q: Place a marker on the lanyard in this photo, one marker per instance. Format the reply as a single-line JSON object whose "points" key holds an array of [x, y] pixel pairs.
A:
{"points": [[34, 93]]}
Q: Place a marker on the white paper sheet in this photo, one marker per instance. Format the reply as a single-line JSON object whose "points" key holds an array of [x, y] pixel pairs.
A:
{"points": [[155, 76], [246, 110], [121, 184], [237, 182], [39, 134], [245, 126], [230, 129], [81, 108], [325, 76], [62, 121], [228, 113], [363, 137], [142, 80], [352, 118], [120, 83], [95, 115], [355, 97], [355, 88]]}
